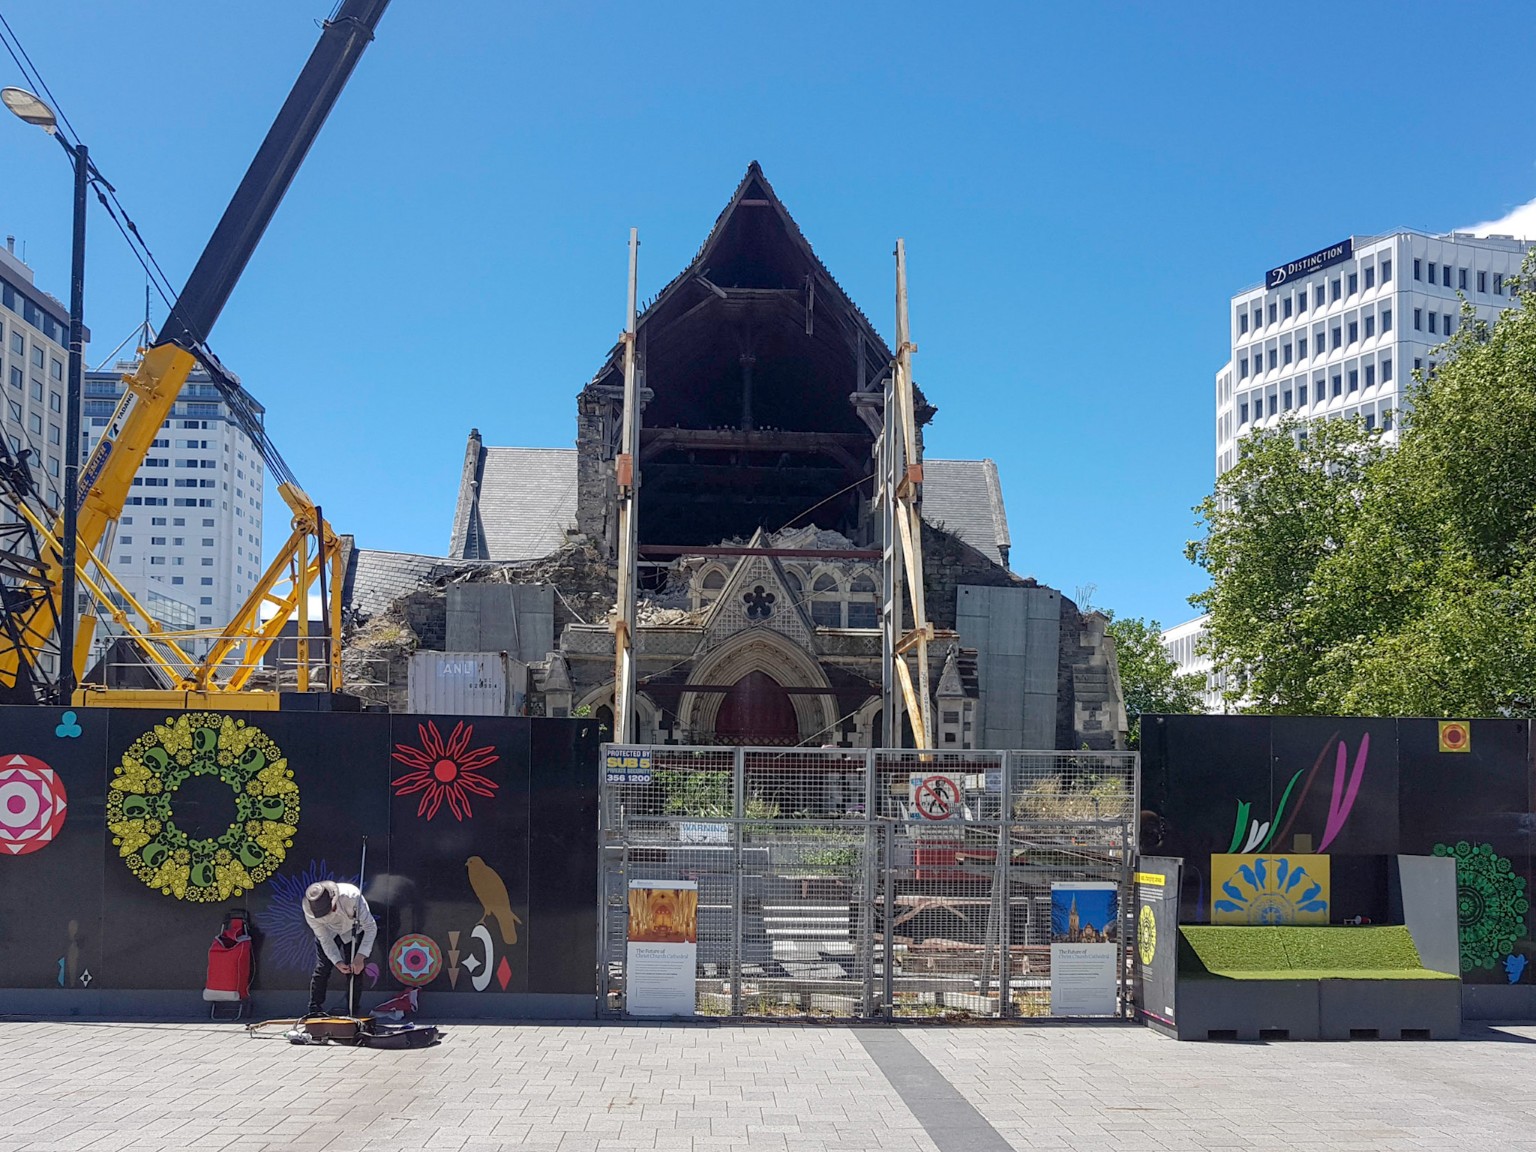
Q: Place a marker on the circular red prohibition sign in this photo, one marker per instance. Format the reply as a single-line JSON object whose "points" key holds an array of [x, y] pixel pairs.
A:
{"points": [[937, 797]]}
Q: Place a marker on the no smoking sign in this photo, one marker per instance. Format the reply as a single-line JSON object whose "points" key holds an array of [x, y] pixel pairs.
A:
{"points": [[935, 797]]}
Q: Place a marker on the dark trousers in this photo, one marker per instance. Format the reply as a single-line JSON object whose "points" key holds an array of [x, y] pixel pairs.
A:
{"points": [[322, 977]]}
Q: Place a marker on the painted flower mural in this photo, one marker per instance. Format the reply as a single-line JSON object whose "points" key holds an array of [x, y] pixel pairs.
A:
{"points": [[287, 942], [445, 770], [1491, 903]]}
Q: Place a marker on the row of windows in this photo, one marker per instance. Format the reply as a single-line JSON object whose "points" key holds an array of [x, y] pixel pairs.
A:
{"points": [[1346, 332], [1440, 323], [1338, 288], [176, 541], [1441, 274], [18, 302], [1299, 393]]}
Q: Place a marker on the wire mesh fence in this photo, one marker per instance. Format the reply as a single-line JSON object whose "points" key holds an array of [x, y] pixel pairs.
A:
{"points": [[878, 883]]}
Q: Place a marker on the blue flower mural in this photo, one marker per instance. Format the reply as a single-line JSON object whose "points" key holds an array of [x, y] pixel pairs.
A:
{"points": [[1271, 890], [289, 945]]}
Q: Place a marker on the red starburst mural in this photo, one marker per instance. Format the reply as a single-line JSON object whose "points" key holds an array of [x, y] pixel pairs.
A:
{"points": [[445, 770]]}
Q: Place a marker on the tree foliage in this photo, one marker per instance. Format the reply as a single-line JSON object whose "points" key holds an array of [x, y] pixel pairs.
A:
{"points": [[1347, 578], [1149, 677]]}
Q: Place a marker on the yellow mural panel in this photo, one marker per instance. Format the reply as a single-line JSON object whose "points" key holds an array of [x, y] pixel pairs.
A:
{"points": [[1269, 888]]}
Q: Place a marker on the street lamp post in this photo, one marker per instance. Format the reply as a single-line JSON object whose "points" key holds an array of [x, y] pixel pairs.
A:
{"points": [[33, 111]]}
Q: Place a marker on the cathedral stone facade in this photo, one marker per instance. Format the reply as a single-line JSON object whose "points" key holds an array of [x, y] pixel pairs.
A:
{"points": [[762, 386]]}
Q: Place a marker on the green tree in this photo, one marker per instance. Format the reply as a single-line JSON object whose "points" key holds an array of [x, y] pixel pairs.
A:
{"points": [[1348, 578], [1149, 678]]}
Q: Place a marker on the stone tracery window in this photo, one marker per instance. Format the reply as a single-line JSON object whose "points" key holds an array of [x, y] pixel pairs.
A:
{"points": [[710, 586], [826, 602], [863, 604]]}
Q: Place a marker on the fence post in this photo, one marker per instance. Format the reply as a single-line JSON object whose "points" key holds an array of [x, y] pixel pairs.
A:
{"points": [[1005, 873], [738, 886], [889, 927], [867, 908]]}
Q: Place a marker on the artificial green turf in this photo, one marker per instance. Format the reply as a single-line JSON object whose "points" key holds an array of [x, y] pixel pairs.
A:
{"points": [[1240, 952]]}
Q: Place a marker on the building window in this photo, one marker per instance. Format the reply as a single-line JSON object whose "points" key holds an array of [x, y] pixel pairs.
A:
{"points": [[207, 562], [206, 581], [1334, 288], [1370, 420], [1301, 395], [1386, 321], [1354, 283], [862, 609], [1286, 354], [1338, 336], [35, 422], [1461, 279], [1301, 300], [1370, 375], [158, 541], [1418, 319], [1418, 363], [1432, 319], [37, 359], [1272, 357], [1338, 384], [1354, 380], [1258, 318], [1449, 324], [1370, 325], [1431, 271], [1242, 368], [1445, 275], [1386, 371], [1274, 404], [1498, 283], [56, 369], [54, 435], [1287, 400], [1301, 347], [1318, 298], [826, 603], [1242, 413], [1418, 269], [1386, 419], [1482, 282], [1242, 321], [1386, 271], [1370, 275], [1286, 309], [1272, 307], [1354, 331]]}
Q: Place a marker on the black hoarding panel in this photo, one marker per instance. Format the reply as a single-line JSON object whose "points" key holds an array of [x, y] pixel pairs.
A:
{"points": [[459, 807], [208, 811], [52, 797], [1466, 795], [1335, 785], [563, 868], [1206, 786]]}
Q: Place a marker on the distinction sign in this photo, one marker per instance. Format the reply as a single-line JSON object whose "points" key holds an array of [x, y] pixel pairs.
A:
{"points": [[1332, 254]]}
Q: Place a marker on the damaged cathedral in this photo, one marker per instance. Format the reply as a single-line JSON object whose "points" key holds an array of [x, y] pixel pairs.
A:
{"points": [[759, 539]]}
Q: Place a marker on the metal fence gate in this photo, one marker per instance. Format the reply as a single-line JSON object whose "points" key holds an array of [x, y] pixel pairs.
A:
{"points": [[866, 883]]}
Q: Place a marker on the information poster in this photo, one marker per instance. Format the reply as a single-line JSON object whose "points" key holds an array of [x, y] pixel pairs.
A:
{"points": [[1157, 938], [1085, 929], [663, 946]]}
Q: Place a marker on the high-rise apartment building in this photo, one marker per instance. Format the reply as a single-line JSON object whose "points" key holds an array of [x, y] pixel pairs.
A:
{"points": [[1340, 332], [190, 532], [34, 348]]}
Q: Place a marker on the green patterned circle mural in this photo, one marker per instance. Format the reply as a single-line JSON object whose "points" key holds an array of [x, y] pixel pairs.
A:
{"points": [[141, 807], [1490, 903]]}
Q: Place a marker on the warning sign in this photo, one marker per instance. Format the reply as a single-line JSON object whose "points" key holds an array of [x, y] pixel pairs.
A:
{"points": [[935, 797], [1455, 736]]}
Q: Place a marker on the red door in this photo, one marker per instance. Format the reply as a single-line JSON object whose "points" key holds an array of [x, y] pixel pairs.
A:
{"points": [[757, 710]]}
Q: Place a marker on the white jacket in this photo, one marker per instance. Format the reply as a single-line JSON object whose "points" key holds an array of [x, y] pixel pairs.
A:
{"points": [[349, 918]]}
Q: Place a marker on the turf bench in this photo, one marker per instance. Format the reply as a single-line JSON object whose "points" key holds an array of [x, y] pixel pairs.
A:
{"points": [[1295, 983]]}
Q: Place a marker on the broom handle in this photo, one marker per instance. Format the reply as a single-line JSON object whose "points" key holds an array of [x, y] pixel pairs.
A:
{"points": [[362, 866]]}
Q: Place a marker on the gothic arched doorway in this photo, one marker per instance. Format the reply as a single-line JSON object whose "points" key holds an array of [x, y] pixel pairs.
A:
{"points": [[757, 710]]}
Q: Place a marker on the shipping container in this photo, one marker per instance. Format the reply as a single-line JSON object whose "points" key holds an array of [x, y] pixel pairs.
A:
{"points": [[467, 684]]}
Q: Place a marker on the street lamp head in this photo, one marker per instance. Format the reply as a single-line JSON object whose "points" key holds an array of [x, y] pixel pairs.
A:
{"points": [[29, 108]]}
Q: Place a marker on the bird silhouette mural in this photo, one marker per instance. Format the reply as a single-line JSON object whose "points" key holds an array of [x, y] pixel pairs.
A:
{"points": [[491, 891]]}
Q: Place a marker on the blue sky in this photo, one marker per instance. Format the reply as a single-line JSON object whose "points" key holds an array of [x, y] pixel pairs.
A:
{"points": [[1081, 187]]}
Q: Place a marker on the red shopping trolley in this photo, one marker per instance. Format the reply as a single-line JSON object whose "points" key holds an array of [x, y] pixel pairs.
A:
{"points": [[229, 968]]}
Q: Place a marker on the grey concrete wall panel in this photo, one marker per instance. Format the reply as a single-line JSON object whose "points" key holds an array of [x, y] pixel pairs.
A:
{"points": [[1498, 1001], [1389, 1009], [516, 619], [1424, 898], [1248, 1010], [1016, 634]]}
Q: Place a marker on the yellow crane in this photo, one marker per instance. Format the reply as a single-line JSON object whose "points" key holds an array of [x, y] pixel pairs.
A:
{"points": [[32, 569]]}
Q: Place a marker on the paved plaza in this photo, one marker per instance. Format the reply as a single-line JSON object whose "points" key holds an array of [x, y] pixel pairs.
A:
{"points": [[580, 1087]]}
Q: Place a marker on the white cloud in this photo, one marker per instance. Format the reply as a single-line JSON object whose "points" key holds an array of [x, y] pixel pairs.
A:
{"points": [[1521, 223]]}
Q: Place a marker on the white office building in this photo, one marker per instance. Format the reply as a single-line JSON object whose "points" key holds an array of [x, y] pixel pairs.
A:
{"points": [[1339, 333], [189, 540]]}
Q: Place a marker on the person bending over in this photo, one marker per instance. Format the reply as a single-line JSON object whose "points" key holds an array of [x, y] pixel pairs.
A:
{"points": [[344, 929]]}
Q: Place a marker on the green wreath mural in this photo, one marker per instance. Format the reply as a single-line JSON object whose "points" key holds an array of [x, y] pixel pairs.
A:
{"points": [[141, 807], [1490, 903]]}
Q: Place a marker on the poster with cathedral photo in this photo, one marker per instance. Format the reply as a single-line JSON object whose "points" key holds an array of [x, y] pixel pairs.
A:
{"points": [[1085, 930]]}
